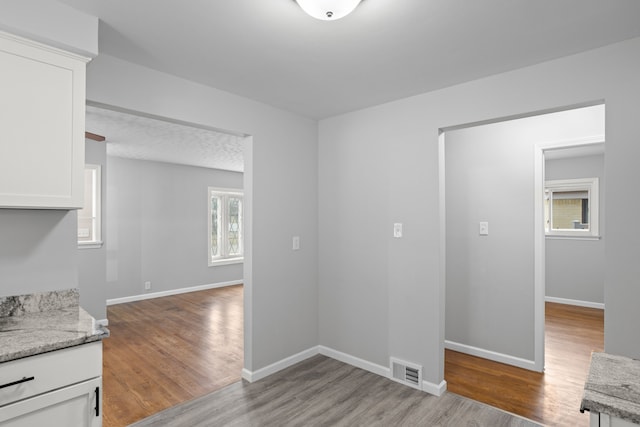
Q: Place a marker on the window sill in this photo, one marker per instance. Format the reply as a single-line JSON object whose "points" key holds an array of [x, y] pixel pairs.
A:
{"points": [[226, 261], [89, 245], [554, 237]]}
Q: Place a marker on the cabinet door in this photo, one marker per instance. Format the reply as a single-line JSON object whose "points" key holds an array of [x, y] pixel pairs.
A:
{"points": [[76, 405], [606, 420], [41, 125]]}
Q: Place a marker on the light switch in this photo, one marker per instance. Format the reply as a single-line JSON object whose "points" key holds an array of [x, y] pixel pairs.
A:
{"points": [[484, 228], [296, 243], [397, 230]]}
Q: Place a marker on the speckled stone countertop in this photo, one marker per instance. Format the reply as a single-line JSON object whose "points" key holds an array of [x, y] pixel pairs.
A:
{"points": [[41, 322], [613, 387]]}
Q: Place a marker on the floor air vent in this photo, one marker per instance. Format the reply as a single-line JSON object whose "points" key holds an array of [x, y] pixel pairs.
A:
{"points": [[406, 373]]}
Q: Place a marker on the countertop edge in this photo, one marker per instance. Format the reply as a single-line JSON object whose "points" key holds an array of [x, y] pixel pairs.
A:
{"points": [[59, 345], [594, 401]]}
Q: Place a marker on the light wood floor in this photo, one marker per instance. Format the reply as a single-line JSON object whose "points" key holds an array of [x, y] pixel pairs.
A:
{"points": [[321, 391], [165, 351], [552, 398]]}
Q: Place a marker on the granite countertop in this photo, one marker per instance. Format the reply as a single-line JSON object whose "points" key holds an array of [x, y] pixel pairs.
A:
{"points": [[41, 322], [613, 387]]}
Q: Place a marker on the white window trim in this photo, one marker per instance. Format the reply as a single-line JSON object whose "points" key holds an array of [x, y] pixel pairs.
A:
{"points": [[96, 243], [591, 185], [222, 260]]}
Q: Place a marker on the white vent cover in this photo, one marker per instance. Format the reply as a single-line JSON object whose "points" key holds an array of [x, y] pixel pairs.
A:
{"points": [[406, 373]]}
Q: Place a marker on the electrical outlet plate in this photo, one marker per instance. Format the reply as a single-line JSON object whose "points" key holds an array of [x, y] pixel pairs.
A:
{"points": [[484, 228]]}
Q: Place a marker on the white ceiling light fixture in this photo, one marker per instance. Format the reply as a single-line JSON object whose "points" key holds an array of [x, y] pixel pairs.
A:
{"points": [[328, 10]]}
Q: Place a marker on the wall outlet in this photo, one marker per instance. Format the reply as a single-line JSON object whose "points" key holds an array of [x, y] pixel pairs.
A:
{"points": [[147, 285], [397, 230], [484, 228], [296, 243]]}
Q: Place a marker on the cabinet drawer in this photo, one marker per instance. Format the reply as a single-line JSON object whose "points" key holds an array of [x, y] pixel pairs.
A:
{"points": [[50, 371], [74, 406]]}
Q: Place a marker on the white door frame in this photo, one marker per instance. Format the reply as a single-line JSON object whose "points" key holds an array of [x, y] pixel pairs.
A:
{"points": [[539, 236]]}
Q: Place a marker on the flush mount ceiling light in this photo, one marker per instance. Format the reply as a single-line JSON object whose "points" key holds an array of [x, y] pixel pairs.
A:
{"points": [[328, 10]]}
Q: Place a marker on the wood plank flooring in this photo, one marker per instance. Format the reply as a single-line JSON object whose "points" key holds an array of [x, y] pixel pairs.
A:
{"points": [[165, 351], [552, 398], [325, 392]]}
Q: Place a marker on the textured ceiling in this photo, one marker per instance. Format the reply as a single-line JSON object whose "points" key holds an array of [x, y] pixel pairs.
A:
{"points": [[271, 51], [145, 138]]}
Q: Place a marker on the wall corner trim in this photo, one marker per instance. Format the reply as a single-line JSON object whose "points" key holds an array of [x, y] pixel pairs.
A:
{"points": [[251, 376], [576, 302], [141, 297], [433, 388], [491, 355], [261, 373], [355, 361]]}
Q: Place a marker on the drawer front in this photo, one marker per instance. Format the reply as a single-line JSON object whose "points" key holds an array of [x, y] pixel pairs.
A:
{"points": [[49, 371]]}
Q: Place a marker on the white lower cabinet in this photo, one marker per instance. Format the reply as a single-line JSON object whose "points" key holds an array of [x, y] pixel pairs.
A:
{"points": [[62, 388], [76, 405], [606, 420]]}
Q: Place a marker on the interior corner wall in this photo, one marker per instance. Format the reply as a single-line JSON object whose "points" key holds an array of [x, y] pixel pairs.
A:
{"points": [[575, 267], [281, 190], [402, 278], [490, 177], [92, 282], [157, 229]]}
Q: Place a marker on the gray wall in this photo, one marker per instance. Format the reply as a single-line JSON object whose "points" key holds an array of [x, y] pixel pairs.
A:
{"points": [[38, 251], [280, 185], [403, 279], [575, 268], [157, 228], [490, 177], [92, 261]]}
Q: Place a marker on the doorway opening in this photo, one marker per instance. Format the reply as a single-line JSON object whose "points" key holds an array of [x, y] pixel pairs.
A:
{"points": [[176, 307], [494, 244]]}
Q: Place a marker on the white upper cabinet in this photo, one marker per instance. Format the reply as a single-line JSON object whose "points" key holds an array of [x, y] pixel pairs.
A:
{"points": [[42, 110]]}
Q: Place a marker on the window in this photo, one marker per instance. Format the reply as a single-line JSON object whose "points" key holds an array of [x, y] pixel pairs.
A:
{"points": [[225, 226], [89, 228], [571, 207]]}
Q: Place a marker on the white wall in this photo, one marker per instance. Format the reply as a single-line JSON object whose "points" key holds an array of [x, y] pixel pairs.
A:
{"points": [[575, 268], [490, 177], [280, 184], [408, 287], [157, 229], [52, 23], [92, 281]]}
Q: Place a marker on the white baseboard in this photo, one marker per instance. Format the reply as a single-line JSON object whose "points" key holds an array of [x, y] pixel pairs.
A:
{"points": [[279, 365], [428, 387], [579, 303], [102, 322], [141, 297], [491, 355], [355, 361], [384, 371], [433, 388]]}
